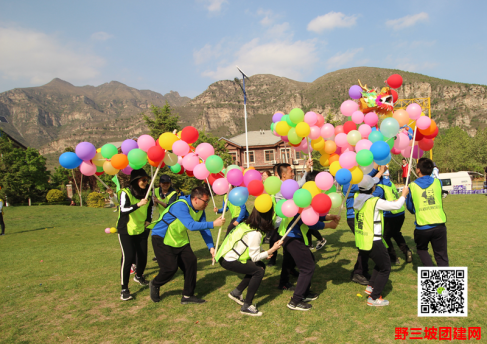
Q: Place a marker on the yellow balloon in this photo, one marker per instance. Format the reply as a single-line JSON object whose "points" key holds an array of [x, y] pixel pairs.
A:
{"points": [[263, 203], [166, 140], [357, 175], [282, 128], [179, 134], [312, 188], [113, 230], [334, 167], [109, 169], [98, 160], [318, 144], [98, 150], [324, 160], [303, 129]]}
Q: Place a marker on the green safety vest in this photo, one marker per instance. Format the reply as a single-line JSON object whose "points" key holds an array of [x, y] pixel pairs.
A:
{"points": [[273, 198], [234, 210], [391, 195], [160, 207], [232, 239], [177, 234], [428, 203], [364, 225], [136, 223], [285, 223]]}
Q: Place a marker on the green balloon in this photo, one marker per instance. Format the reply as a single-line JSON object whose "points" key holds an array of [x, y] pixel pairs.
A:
{"points": [[135, 166], [99, 168], [293, 137], [175, 168], [214, 164], [272, 127], [336, 199], [302, 198], [108, 150], [137, 157], [272, 185], [291, 123], [279, 208], [296, 115], [331, 190], [376, 136], [389, 141], [364, 157]]}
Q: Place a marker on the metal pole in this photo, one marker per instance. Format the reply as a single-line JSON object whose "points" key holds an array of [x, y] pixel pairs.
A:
{"points": [[246, 132]]}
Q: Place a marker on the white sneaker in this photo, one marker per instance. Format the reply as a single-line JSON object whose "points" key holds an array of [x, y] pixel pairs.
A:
{"points": [[320, 244]]}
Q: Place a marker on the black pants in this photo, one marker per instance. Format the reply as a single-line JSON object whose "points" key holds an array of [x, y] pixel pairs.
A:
{"points": [[296, 252], [404, 180], [392, 230], [274, 237], [437, 237], [231, 226], [382, 268], [169, 259], [2, 224], [254, 273], [132, 246], [316, 233], [361, 266]]}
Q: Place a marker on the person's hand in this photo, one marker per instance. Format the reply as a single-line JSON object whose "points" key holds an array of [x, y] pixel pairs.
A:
{"points": [[376, 166], [332, 224], [269, 256], [155, 200], [335, 218], [405, 191], [212, 252], [110, 192], [215, 210], [277, 245], [218, 222], [142, 202], [309, 164], [235, 223]]}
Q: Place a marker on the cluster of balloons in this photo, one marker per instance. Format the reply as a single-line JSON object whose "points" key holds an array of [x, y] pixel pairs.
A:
{"points": [[111, 230]]}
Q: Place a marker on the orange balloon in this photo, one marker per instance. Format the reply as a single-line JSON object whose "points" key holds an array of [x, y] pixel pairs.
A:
{"points": [[120, 161], [401, 116], [330, 147], [154, 163], [430, 130], [333, 157]]}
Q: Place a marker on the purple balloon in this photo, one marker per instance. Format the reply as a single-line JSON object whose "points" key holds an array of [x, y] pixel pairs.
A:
{"points": [[85, 151], [288, 188], [355, 92], [128, 145], [251, 175], [277, 117], [127, 170]]}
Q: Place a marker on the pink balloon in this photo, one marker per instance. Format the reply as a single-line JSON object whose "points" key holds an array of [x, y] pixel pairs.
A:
{"points": [[145, 142], [127, 170], [107, 230], [200, 172], [362, 144], [180, 160], [347, 148], [180, 148], [324, 181], [319, 120], [401, 142], [204, 150], [289, 209], [220, 186], [190, 161], [423, 122], [371, 119], [309, 216], [235, 177], [341, 140], [284, 138], [327, 130], [87, 168], [417, 152], [414, 111], [357, 117], [347, 160], [251, 175], [310, 118], [364, 130], [314, 133], [339, 150], [339, 129], [395, 151], [305, 146], [348, 107]]}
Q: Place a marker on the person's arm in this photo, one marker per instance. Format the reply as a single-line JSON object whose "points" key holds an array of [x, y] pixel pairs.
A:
{"points": [[410, 204], [125, 206], [378, 192], [254, 240], [180, 211], [206, 234], [393, 205], [241, 215], [302, 181]]}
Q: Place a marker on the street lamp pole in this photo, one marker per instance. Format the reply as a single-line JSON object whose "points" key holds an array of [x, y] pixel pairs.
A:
{"points": [[245, 117]]}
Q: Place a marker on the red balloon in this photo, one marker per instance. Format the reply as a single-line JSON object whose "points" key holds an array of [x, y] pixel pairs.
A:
{"points": [[182, 170], [395, 151], [321, 203], [426, 144], [300, 210], [255, 187], [189, 135], [432, 136], [395, 96], [419, 136], [319, 120], [394, 81], [294, 145], [189, 173], [214, 176], [99, 173], [349, 126], [156, 153]]}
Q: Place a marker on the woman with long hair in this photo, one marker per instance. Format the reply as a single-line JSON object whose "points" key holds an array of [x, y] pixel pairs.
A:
{"points": [[241, 253]]}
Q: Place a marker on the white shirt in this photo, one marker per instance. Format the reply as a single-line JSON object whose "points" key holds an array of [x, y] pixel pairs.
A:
{"points": [[253, 240], [381, 205]]}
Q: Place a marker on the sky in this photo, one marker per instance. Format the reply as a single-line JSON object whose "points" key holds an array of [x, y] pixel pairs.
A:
{"points": [[186, 45]]}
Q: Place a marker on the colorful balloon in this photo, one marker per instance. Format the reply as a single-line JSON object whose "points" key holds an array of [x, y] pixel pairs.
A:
{"points": [[128, 145], [324, 180], [263, 203], [145, 142], [85, 151], [348, 107], [201, 172], [189, 134], [69, 160], [220, 186], [238, 196], [272, 185]]}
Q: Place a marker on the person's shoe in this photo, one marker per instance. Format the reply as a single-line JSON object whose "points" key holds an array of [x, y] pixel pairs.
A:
{"points": [[141, 280], [294, 273], [250, 310], [191, 299], [377, 302], [287, 286], [360, 279], [154, 292], [409, 256], [397, 262], [301, 306], [311, 248], [154, 259], [310, 297], [125, 295], [320, 244], [133, 269], [236, 297], [368, 290]]}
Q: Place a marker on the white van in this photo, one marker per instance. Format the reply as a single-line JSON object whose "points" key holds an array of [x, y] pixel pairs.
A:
{"points": [[456, 181]]}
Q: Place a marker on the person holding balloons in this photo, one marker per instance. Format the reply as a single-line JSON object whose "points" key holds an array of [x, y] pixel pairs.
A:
{"points": [[238, 214], [134, 216], [165, 194], [240, 252]]}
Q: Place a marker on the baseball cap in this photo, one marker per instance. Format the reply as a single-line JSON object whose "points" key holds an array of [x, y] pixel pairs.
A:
{"points": [[368, 182], [164, 179]]}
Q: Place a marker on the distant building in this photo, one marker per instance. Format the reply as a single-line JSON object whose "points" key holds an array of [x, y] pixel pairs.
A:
{"points": [[16, 140], [265, 151]]}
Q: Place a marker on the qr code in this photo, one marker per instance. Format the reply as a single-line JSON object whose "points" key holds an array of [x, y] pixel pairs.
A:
{"points": [[442, 292]]}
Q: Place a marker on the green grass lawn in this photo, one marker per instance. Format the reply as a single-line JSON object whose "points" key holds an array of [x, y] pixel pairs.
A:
{"points": [[60, 283]]}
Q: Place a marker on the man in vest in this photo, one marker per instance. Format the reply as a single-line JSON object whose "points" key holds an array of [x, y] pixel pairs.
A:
{"points": [[369, 231], [2, 224], [426, 204], [165, 194], [170, 241]]}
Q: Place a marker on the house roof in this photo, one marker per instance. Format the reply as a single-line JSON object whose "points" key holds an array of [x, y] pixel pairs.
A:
{"points": [[256, 138], [13, 134]]}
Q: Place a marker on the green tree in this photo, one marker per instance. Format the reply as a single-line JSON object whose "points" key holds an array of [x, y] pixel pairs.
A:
{"points": [[164, 120], [60, 177]]}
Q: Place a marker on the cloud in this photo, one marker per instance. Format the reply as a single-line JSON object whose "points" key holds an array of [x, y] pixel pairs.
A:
{"points": [[330, 21], [101, 36], [38, 57], [282, 58], [268, 15], [213, 5], [342, 59], [207, 53], [279, 30], [408, 65], [407, 21]]}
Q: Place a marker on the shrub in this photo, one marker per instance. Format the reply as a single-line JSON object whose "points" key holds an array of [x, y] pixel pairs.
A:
{"points": [[55, 195], [96, 200]]}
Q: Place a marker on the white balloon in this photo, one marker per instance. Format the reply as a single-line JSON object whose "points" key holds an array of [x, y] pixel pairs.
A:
{"points": [[366, 169]]}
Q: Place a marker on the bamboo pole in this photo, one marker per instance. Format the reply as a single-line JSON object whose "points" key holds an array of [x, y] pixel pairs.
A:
{"points": [[152, 181], [289, 230], [220, 230], [345, 199], [76, 184], [411, 156], [102, 182]]}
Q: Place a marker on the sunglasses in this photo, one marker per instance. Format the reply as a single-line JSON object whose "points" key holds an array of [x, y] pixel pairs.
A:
{"points": [[206, 202]]}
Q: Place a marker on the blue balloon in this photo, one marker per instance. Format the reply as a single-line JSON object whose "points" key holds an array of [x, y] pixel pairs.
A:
{"points": [[238, 196], [343, 176], [384, 161], [69, 160], [380, 150]]}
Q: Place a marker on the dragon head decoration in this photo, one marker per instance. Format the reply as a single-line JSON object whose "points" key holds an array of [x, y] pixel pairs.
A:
{"points": [[381, 102]]}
